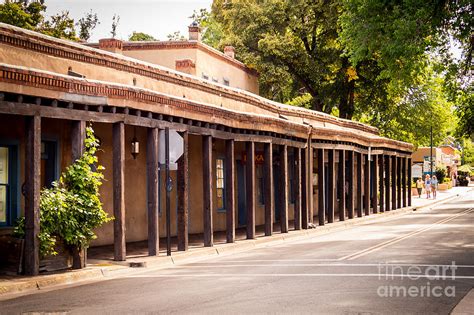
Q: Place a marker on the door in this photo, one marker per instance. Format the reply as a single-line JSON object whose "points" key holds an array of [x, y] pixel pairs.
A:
{"points": [[49, 171], [241, 194]]}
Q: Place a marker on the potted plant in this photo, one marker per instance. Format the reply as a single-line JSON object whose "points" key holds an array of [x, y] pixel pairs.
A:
{"points": [[71, 209]]}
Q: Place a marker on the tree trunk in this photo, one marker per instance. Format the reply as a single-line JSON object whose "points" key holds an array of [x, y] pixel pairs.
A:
{"points": [[79, 258]]}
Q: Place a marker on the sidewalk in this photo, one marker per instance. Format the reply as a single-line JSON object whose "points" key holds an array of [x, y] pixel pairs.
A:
{"points": [[98, 269]]}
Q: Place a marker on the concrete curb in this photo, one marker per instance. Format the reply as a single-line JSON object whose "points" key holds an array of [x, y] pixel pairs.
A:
{"points": [[120, 268]]}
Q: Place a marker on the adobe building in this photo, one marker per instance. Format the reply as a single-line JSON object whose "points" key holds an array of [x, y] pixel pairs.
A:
{"points": [[248, 162], [444, 155], [188, 56]]}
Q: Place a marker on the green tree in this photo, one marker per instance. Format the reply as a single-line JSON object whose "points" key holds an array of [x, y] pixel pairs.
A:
{"points": [[71, 209], [87, 24], [177, 36], [61, 25], [139, 37], [211, 30], [18, 13]]}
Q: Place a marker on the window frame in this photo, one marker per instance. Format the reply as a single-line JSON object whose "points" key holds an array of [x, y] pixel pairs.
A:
{"points": [[13, 186], [224, 188]]}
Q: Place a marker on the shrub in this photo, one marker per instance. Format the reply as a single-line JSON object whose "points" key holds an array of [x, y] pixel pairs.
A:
{"points": [[440, 173], [71, 209]]}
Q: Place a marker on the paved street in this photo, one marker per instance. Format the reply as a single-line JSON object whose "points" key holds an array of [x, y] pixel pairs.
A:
{"points": [[358, 270]]}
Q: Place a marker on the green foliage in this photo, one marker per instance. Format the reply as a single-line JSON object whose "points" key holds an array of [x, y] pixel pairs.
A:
{"points": [[440, 173], [176, 36], [302, 101], [140, 37], [61, 25], [211, 30], [71, 209], [87, 24], [18, 13]]}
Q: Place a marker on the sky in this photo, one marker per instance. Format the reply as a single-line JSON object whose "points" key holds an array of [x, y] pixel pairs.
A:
{"points": [[155, 17]]}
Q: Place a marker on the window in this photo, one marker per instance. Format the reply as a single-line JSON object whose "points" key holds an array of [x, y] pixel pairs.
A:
{"points": [[220, 184], [205, 76], [226, 82], [215, 80], [8, 185]]}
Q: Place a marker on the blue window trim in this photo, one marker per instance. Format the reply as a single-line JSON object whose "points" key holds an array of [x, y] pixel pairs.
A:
{"points": [[14, 181], [223, 209]]}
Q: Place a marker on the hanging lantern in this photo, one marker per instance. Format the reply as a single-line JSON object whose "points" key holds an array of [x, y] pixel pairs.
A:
{"points": [[135, 147]]}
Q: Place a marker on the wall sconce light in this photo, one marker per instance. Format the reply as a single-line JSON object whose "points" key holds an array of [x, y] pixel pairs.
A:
{"points": [[135, 146]]}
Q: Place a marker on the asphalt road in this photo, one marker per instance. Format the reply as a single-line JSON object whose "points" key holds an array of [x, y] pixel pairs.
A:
{"points": [[361, 270]]}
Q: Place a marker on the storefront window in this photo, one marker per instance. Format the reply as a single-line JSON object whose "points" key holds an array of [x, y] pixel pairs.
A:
{"points": [[4, 172]]}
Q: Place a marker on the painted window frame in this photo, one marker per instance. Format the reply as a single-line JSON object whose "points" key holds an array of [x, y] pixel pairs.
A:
{"points": [[224, 188], [14, 191]]}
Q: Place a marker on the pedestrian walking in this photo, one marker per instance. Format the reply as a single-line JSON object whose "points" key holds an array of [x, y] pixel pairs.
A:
{"points": [[428, 186], [419, 186], [434, 186]]}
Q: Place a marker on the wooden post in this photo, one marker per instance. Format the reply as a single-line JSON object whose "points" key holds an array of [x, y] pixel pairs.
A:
{"points": [[304, 189], [297, 209], [341, 185], [381, 183], [366, 185], [331, 184], [183, 195], [375, 182], [207, 189], [399, 182], [408, 182], [394, 182], [250, 181], [350, 189], [284, 188], [268, 186], [152, 191], [32, 196], [78, 135], [230, 190], [388, 173], [309, 194], [404, 181], [118, 134], [321, 188], [359, 184]]}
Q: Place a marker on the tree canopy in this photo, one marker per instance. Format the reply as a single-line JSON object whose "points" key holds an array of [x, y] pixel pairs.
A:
{"points": [[140, 37]]}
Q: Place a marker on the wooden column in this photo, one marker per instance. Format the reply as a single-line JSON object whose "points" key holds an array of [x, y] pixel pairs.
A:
{"points": [[310, 187], [32, 194], [268, 186], [118, 135], [230, 190], [297, 208], [381, 183], [284, 188], [207, 190], [250, 181], [375, 181], [359, 201], [399, 182], [321, 188], [341, 187], [394, 182], [350, 189], [304, 189], [388, 173], [408, 183], [183, 195], [366, 184], [331, 184], [78, 135], [152, 191], [404, 181]]}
